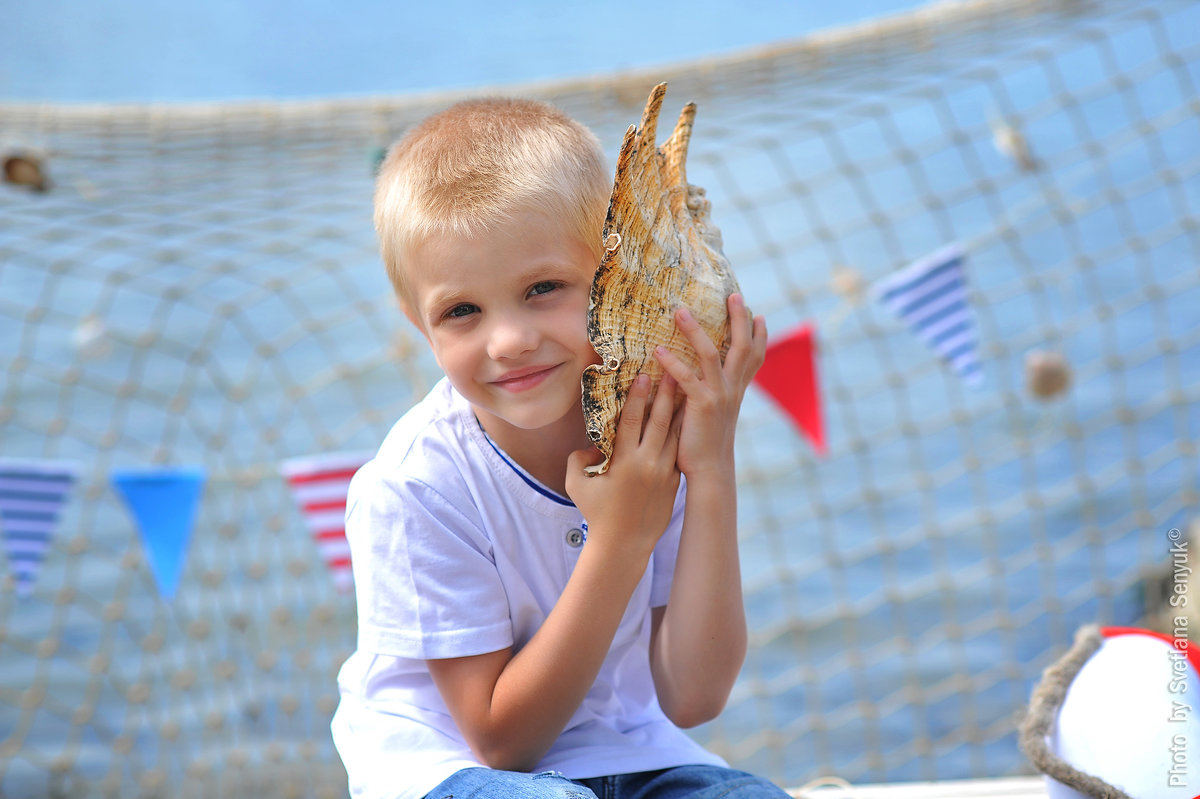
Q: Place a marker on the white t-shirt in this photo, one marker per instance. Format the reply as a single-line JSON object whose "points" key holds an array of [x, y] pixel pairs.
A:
{"points": [[457, 552]]}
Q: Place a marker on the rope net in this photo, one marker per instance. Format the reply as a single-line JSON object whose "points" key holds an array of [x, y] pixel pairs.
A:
{"points": [[198, 286]]}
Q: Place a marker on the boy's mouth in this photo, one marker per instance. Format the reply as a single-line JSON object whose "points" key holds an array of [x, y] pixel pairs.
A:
{"points": [[523, 379]]}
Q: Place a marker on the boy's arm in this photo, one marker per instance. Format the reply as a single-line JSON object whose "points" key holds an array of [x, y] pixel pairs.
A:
{"points": [[511, 707], [698, 640]]}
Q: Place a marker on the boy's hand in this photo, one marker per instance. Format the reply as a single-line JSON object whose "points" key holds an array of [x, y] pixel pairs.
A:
{"points": [[714, 392], [631, 503]]}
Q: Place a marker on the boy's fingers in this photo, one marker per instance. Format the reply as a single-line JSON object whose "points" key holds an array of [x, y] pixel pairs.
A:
{"points": [[758, 344], [632, 412], [661, 412], [677, 425], [741, 323], [580, 458], [747, 332], [676, 368], [709, 355], [748, 341]]}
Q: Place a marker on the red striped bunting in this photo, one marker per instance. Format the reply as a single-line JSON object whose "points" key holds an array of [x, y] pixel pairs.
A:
{"points": [[319, 484]]}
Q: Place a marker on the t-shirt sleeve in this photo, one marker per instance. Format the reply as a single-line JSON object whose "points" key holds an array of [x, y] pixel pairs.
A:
{"points": [[666, 551], [424, 572]]}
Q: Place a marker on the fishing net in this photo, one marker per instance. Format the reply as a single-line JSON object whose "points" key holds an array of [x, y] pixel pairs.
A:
{"points": [[197, 290]]}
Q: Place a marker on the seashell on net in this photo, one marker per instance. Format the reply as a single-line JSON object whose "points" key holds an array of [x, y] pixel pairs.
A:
{"points": [[662, 253], [25, 170], [1047, 374]]}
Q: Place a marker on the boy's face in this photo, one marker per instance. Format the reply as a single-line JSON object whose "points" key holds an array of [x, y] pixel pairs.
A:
{"points": [[506, 316]]}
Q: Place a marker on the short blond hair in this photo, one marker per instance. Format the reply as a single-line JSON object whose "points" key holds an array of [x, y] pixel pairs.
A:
{"points": [[468, 169]]}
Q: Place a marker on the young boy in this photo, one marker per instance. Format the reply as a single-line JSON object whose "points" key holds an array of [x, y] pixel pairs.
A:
{"points": [[526, 630]]}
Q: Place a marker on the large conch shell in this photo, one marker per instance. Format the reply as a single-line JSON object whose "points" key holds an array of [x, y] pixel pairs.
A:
{"points": [[662, 253]]}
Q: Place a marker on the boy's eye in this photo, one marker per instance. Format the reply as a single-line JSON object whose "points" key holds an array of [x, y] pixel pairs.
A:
{"points": [[463, 309], [544, 287]]}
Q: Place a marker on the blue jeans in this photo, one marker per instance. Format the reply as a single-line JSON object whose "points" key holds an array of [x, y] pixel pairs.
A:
{"points": [[690, 782]]}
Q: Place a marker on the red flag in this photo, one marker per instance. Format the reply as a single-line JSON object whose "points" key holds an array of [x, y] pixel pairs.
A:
{"points": [[789, 376]]}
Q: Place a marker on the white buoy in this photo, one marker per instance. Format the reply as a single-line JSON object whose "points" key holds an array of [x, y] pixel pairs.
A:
{"points": [[1130, 717]]}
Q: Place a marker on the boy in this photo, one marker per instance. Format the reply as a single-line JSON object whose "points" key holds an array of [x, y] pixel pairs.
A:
{"points": [[516, 615]]}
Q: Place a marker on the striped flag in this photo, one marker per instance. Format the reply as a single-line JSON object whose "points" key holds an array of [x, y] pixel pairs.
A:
{"points": [[930, 296], [32, 494], [319, 484]]}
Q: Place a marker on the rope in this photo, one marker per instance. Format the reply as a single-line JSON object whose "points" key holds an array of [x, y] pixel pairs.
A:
{"points": [[1046, 701]]}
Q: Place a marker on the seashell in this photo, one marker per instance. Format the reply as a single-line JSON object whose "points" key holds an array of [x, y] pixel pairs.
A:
{"points": [[1009, 140], [25, 170], [662, 252], [1047, 374], [92, 338], [849, 284]]}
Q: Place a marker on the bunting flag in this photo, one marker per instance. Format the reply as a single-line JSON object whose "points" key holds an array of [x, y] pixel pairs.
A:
{"points": [[32, 494], [930, 296], [789, 377], [319, 484], [163, 502]]}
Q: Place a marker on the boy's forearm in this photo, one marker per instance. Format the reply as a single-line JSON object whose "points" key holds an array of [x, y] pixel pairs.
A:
{"points": [[700, 637], [540, 688]]}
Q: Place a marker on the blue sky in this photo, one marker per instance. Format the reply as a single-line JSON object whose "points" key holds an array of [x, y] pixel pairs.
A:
{"points": [[161, 50]]}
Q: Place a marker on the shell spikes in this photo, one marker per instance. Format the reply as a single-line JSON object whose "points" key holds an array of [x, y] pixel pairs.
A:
{"points": [[662, 252]]}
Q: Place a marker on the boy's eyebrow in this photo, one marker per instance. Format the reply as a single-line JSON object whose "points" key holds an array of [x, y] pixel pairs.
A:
{"points": [[444, 298], [540, 269]]}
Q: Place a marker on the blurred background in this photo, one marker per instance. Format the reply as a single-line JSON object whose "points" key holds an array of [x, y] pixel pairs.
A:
{"points": [[158, 51], [199, 346]]}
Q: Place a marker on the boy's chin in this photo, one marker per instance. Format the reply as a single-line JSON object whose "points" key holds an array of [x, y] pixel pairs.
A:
{"points": [[535, 422], [534, 419]]}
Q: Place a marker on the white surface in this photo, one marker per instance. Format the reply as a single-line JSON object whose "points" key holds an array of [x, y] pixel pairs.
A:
{"points": [[1007, 788]]}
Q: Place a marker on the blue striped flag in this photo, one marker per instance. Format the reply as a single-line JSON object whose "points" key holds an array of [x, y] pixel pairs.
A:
{"points": [[32, 495], [930, 296]]}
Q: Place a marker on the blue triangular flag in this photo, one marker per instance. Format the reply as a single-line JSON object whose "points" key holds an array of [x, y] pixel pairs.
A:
{"points": [[163, 501], [32, 494], [930, 296]]}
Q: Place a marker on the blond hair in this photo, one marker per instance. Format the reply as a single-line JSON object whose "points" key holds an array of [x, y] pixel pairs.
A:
{"points": [[468, 169]]}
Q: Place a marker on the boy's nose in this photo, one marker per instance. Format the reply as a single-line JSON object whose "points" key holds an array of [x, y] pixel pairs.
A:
{"points": [[511, 338]]}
